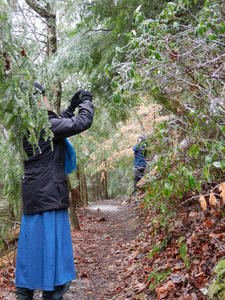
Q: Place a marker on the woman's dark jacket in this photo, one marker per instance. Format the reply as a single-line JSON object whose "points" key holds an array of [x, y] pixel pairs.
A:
{"points": [[44, 185], [139, 156]]}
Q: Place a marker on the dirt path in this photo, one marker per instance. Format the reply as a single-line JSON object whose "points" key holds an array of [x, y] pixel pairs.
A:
{"points": [[104, 227]]}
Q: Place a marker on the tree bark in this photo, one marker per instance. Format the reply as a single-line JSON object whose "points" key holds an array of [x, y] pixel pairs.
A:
{"points": [[73, 206], [50, 17], [80, 203], [106, 186], [98, 186], [84, 189]]}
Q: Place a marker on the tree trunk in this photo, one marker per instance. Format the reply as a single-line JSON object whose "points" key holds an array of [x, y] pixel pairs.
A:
{"points": [[58, 95], [50, 16], [84, 188], [106, 186], [98, 186], [86, 191], [75, 195], [80, 203], [73, 206], [94, 188]]}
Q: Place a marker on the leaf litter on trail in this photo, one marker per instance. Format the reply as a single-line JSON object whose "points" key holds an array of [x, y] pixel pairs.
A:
{"points": [[113, 258]]}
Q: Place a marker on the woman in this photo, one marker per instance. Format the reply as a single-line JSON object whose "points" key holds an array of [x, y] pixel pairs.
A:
{"points": [[45, 255], [139, 160]]}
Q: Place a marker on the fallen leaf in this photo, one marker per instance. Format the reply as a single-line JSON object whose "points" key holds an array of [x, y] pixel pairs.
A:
{"points": [[208, 223], [222, 191], [219, 236], [186, 297], [165, 289], [203, 202], [212, 200], [194, 214]]}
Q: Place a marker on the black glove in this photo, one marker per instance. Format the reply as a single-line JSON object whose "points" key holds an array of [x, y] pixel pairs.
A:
{"points": [[78, 98], [85, 95], [75, 101], [38, 88]]}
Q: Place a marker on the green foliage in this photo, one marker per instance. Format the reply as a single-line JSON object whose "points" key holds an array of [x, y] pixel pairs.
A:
{"points": [[217, 287], [156, 277], [86, 49], [157, 248], [163, 59], [178, 170], [163, 54], [183, 252], [19, 110]]}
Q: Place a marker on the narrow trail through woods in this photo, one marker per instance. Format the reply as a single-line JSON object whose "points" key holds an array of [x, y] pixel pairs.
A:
{"points": [[105, 227]]}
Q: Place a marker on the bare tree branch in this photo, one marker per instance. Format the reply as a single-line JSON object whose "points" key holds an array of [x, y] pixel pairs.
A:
{"points": [[98, 30], [43, 12]]}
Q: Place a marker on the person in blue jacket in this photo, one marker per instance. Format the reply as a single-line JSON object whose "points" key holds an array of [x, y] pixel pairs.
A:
{"points": [[45, 255], [139, 160]]}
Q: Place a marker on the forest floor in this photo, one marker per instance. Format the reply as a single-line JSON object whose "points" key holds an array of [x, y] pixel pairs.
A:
{"points": [[123, 253]]}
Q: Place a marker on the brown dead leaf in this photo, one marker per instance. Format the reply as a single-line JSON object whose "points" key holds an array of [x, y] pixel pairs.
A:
{"points": [[186, 297], [208, 223], [165, 289], [222, 191], [203, 202], [194, 214], [212, 200], [219, 236], [222, 186]]}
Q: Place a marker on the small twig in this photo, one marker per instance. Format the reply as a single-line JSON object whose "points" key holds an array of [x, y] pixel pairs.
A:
{"points": [[189, 199], [9, 221], [215, 187], [196, 197], [98, 30]]}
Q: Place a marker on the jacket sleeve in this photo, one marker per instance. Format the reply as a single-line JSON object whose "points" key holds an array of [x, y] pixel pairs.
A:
{"points": [[66, 127], [67, 113], [135, 148]]}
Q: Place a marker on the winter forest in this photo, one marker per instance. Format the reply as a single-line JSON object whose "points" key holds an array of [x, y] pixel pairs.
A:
{"points": [[156, 73]]}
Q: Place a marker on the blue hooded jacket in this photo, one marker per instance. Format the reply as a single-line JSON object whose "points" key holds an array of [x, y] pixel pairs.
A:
{"points": [[139, 159]]}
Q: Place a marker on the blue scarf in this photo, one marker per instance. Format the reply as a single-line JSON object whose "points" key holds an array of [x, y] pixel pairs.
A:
{"points": [[70, 159]]}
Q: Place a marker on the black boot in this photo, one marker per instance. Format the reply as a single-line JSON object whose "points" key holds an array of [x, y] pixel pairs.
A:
{"points": [[57, 294], [24, 294]]}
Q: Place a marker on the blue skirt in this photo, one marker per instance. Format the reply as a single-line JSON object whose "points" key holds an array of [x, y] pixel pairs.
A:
{"points": [[45, 254]]}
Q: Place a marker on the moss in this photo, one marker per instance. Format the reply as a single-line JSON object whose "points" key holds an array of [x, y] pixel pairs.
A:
{"points": [[217, 287]]}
